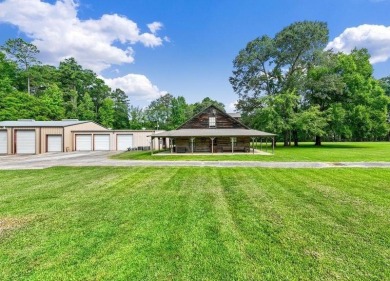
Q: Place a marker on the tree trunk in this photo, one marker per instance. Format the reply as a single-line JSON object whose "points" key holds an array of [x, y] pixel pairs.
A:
{"points": [[318, 140], [285, 138], [295, 137], [28, 84]]}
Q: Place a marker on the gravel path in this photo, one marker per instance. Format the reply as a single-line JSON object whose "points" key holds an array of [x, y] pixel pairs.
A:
{"points": [[77, 159]]}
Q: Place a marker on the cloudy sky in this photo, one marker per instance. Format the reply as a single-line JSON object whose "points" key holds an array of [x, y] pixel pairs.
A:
{"points": [[184, 47]]}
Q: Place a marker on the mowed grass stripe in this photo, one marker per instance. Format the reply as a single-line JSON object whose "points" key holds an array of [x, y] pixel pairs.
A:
{"points": [[195, 224]]}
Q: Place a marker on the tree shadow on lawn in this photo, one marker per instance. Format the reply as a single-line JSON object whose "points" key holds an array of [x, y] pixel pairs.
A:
{"points": [[327, 146]]}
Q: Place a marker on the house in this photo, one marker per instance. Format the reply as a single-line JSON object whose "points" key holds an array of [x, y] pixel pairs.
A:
{"points": [[212, 130], [27, 136]]}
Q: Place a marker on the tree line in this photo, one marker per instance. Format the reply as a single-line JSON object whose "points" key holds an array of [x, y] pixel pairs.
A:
{"points": [[31, 90], [290, 85]]}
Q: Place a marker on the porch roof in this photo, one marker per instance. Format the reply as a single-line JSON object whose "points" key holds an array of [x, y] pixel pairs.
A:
{"points": [[212, 133]]}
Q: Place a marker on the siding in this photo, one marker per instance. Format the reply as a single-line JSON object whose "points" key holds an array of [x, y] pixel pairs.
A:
{"points": [[201, 121]]}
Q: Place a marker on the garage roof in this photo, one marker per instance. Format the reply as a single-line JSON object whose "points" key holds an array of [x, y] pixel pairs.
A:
{"points": [[33, 123]]}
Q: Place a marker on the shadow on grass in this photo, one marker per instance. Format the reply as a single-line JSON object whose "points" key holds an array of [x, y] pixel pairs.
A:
{"points": [[325, 146]]}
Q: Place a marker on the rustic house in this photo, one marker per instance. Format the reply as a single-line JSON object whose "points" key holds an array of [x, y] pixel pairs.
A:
{"points": [[212, 130]]}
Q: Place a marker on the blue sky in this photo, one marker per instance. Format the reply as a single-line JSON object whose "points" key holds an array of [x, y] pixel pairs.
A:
{"points": [[184, 47]]}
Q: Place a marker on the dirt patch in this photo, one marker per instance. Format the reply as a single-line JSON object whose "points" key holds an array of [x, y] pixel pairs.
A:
{"points": [[7, 224]]}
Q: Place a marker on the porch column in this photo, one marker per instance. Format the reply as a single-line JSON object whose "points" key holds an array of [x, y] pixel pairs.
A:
{"points": [[232, 141], [273, 145], [192, 145], [261, 144], [158, 144], [253, 144], [212, 144], [171, 144], [151, 146]]}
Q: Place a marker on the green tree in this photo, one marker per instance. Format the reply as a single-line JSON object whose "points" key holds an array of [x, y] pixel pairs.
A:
{"points": [[23, 53], [323, 84], [180, 112], [86, 108], [338, 127], [7, 74], [159, 113], [277, 114], [137, 118], [121, 106], [274, 66], [19, 105], [206, 102], [52, 104], [106, 113]]}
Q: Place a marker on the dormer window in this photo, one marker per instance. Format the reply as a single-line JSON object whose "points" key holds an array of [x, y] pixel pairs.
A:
{"points": [[212, 123]]}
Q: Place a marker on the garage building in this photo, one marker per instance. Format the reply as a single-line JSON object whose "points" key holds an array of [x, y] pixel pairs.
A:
{"points": [[27, 136]]}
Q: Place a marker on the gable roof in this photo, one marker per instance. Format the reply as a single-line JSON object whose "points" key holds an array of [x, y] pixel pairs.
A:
{"points": [[33, 123], [212, 132], [227, 115]]}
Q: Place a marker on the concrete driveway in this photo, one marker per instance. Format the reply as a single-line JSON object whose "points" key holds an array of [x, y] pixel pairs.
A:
{"points": [[100, 158]]}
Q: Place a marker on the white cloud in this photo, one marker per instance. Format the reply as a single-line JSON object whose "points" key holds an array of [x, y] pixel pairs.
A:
{"points": [[155, 26], [58, 33], [232, 106], [138, 87], [376, 38]]}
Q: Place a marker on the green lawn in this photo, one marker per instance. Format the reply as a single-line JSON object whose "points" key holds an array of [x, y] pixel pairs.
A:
{"points": [[328, 152], [195, 224]]}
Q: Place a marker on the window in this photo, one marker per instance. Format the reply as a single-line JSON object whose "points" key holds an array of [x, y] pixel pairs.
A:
{"points": [[212, 122]]}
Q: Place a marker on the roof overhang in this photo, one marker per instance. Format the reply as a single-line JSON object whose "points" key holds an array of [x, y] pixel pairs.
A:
{"points": [[212, 133]]}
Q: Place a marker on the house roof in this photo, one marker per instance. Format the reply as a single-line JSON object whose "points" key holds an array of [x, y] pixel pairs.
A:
{"points": [[212, 133], [235, 114], [227, 115], [33, 123]]}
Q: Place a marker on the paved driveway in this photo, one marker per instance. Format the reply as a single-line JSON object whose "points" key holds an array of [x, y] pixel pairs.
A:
{"points": [[100, 158]]}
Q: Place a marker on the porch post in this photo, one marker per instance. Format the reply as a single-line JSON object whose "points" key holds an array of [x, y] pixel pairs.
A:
{"points": [[253, 144], [261, 144], [192, 145], [212, 144], [171, 144], [273, 145], [232, 141], [151, 145], [158, 144]]}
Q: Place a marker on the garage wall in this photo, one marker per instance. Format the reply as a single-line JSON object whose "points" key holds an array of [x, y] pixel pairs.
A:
{"points": [[48, 131], [69, 139]]}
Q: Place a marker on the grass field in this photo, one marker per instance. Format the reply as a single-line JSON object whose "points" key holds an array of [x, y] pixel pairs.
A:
{"points": [[328, 152], [195, 224]]}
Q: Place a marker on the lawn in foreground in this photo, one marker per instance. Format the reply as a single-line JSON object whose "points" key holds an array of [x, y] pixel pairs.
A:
{"points": [[328, 152], [195, 224]]}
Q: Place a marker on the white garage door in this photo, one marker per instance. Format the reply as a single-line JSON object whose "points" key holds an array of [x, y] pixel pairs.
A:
{"points": [[25, 142], [3, 142], [102, 142], [124, 142], [54, 143], [83, 142]]}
